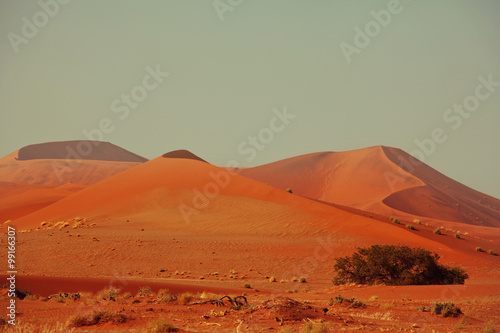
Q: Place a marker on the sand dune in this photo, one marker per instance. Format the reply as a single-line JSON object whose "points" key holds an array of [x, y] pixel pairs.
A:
{"points": [[381, 180], [57, 163]]}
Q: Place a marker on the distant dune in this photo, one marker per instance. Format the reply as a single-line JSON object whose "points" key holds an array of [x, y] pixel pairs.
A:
{"points": [[57, 163], [183, 154], [78, 150], [383, 180]]}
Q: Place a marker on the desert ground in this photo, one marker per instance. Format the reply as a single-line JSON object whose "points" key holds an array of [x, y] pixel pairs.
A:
{"points": [[112, 242]]}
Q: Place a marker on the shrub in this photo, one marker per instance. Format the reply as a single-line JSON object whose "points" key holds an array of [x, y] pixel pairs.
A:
{"points": [[409, 226], [302, 280], [457, 236], [479, 249], [445, 309], [417, 221], [246, 285], [395, 220], [490, 251], [96, 317], [395, 265], [145, 292], [161, 325], [313, 327], [272, 279], [357, 304], [164, 296], [295, 279], [185, 298], [490, 327], [108, 294], [289, 190], [437, 231]]}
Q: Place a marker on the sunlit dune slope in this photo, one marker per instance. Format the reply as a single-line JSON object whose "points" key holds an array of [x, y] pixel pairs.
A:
{"points": [[382, 180]]}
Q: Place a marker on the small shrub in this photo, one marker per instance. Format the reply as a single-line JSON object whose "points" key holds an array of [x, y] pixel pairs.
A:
{"points": [[164, 296], [445, 309], [162, 270], [417, 221], [108, 294], [295, 279], [357, 304], [437, 231], [490, 251], [160, 325], [489, 328], [246, 285], [409, 226], [185, 298], [302, 280], [396, 220], [386, 306], [421, 308], [457, 236], [479, 249], [145, 292], [374, 298], [339, 299], [272, 279], [96, 317], [289, 190], [313, 327]]}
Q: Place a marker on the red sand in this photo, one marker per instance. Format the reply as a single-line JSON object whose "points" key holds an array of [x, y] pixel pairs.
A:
{"points": [[241, 231]]}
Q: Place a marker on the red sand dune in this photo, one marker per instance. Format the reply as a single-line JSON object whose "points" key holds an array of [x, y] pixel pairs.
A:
{"points": [[382, 180], [154, 195], [57, 163]]}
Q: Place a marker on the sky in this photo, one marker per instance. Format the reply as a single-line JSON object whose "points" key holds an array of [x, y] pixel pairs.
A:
{"points": [[258, 80]]}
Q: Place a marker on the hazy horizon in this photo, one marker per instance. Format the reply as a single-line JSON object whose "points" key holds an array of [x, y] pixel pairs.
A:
{"points": [[422, 76]]}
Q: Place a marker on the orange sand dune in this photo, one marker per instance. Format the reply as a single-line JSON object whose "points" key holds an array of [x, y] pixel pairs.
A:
{"points": [[382, 180], [219, 208], [57, 163], [18, 200]]}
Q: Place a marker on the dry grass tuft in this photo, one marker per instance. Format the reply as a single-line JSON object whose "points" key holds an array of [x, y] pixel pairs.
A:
{"points": [[185, 298], [160, 325], [96, 317]]}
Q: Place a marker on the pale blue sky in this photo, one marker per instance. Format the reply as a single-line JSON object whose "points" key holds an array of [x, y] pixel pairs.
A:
{"points": [[226, 77]]}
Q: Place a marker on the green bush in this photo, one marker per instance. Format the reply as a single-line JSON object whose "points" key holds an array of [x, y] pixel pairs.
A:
{"points": [[479, 249], [491, 252], [395, 265], [409, 226], [437, 231], [457, 236]]}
